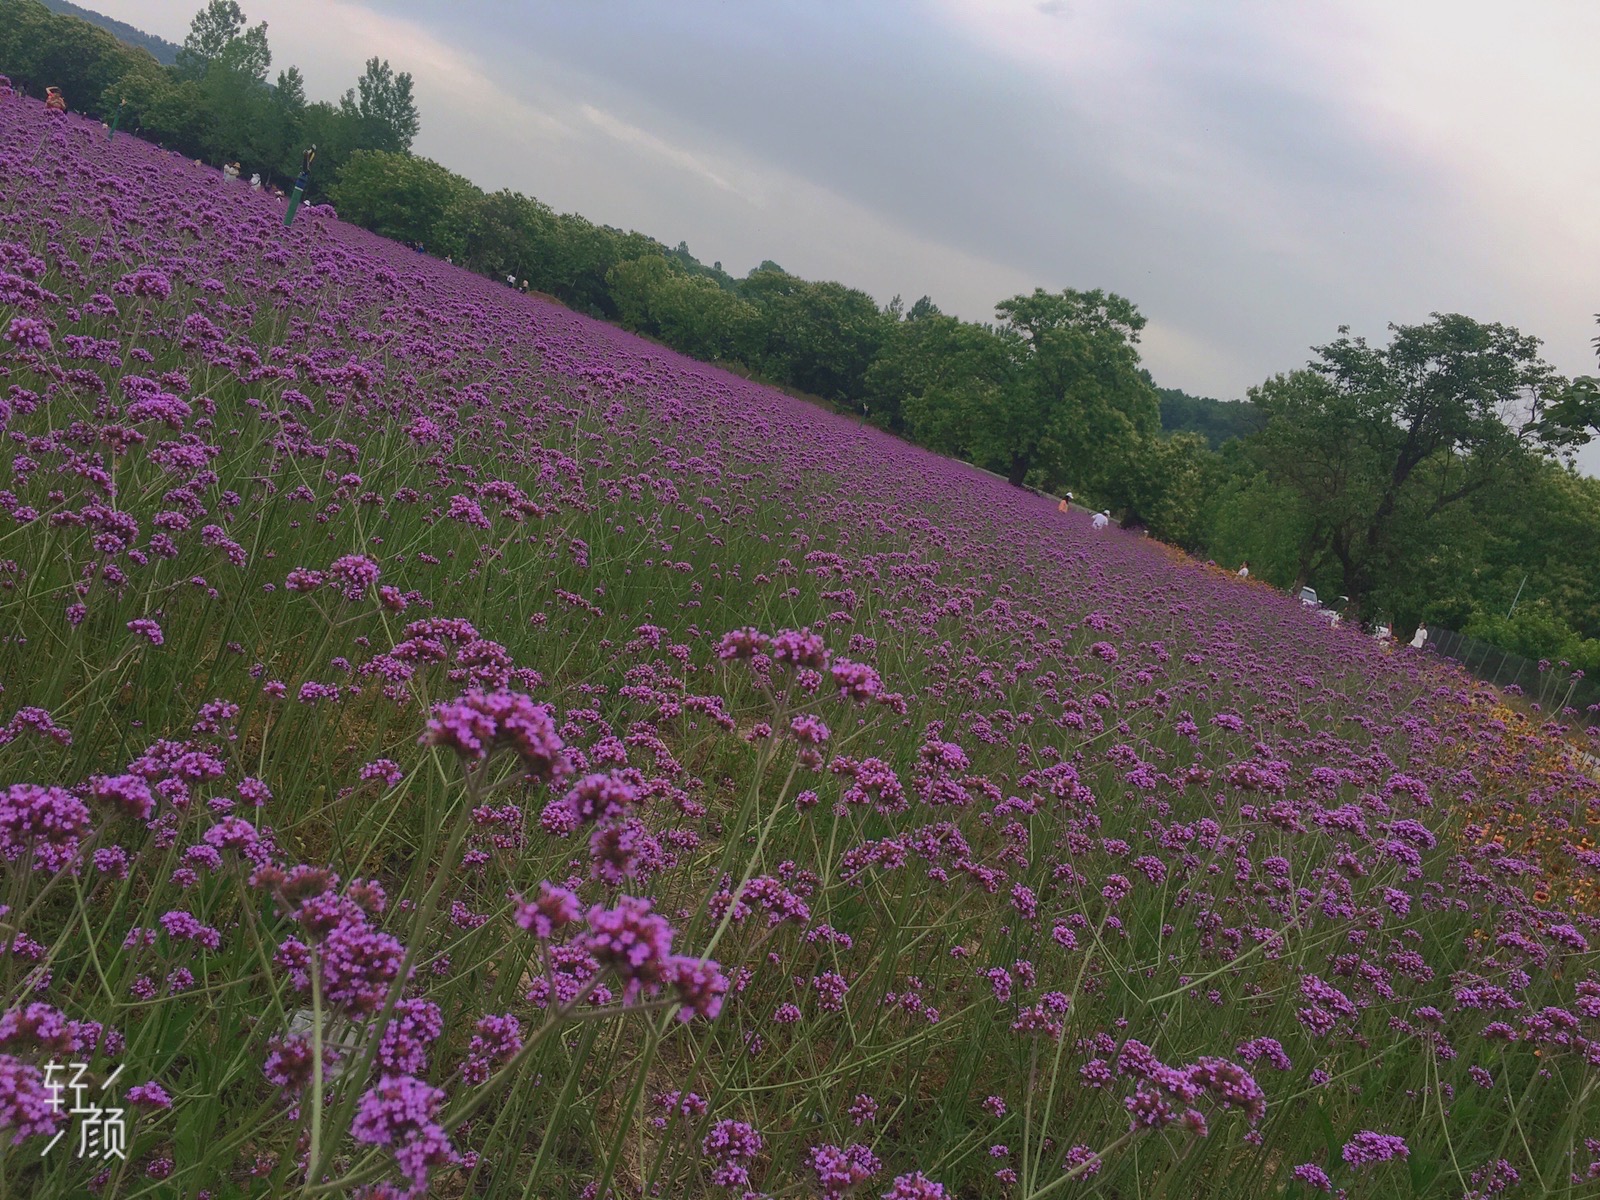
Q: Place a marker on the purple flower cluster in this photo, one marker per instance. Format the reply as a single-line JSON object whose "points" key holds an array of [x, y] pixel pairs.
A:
{"points": [[1367, 1147], [45, 824], [401, 1112], [479, 722], [841, 1170], [636, 944], [732, 1146]]}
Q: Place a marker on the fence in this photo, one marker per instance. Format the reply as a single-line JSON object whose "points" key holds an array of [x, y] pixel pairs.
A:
{"points": [[1552, 689]]}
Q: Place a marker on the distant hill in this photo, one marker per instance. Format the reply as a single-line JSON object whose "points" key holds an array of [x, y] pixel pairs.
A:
{"points": [[1217, 421], [164, 52]]}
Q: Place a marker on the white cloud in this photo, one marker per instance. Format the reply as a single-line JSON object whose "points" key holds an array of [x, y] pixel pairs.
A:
{"points": [[1486, 108], [619, 130]]}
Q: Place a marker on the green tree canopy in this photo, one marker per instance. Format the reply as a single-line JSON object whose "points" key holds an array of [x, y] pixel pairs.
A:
{"points": [[382, 105], [1217, 421], [819, 337], [1082, 406], [636, 286], [221, 34], [502, 233], [39, 49], [398, 195], [939, 378], [1371, 437]]}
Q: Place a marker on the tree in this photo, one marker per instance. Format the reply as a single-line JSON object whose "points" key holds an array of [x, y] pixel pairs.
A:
{"points": [[220, 33], [582, 254], [1081, 405], [699, 317], [289, 94], [636, 287], [398, 195], [936, 377], [1248, 517], [1574, 418], [691, 311], [818, 337], [1542, 537], [159, 106], [227, 59], [383, 108], [1217, 421], [503, 233], [1164, 487], [1375, 438], [1308, 451], [285, 140], [241, 121]]}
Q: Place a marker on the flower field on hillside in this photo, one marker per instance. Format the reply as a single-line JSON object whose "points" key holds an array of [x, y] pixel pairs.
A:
{"points": [[450, 747]]}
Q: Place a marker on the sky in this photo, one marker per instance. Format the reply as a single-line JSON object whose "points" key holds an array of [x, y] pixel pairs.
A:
{"points": [[1252, 174]]}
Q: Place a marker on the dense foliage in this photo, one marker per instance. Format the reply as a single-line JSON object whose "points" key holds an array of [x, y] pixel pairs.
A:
{"points": [[451, 746], [1218, 421], [217, 101]]}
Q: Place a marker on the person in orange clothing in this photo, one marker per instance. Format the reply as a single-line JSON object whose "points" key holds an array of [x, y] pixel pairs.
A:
{"points": [[54, 101]]}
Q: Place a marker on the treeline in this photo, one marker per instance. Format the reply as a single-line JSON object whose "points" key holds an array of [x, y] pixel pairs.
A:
{"points": [[1052, 395], [217, 101], [1424, 479]]}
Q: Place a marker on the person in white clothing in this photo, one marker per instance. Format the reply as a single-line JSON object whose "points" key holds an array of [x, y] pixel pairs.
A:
{"points": [[1420, 638], [1244, 570], [1100, 520]]}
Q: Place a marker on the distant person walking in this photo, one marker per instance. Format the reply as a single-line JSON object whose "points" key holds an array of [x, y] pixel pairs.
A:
{"points": [[54, 101], [1066, 503], [1420, 638], [1100, 520], [255, 182]]}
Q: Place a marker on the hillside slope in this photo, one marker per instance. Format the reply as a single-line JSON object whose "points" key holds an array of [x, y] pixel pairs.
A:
{"points": [[163, 51], [451, 743]]}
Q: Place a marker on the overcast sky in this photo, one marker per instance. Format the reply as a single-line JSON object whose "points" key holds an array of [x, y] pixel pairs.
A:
{"points": [[1251, 173]]}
